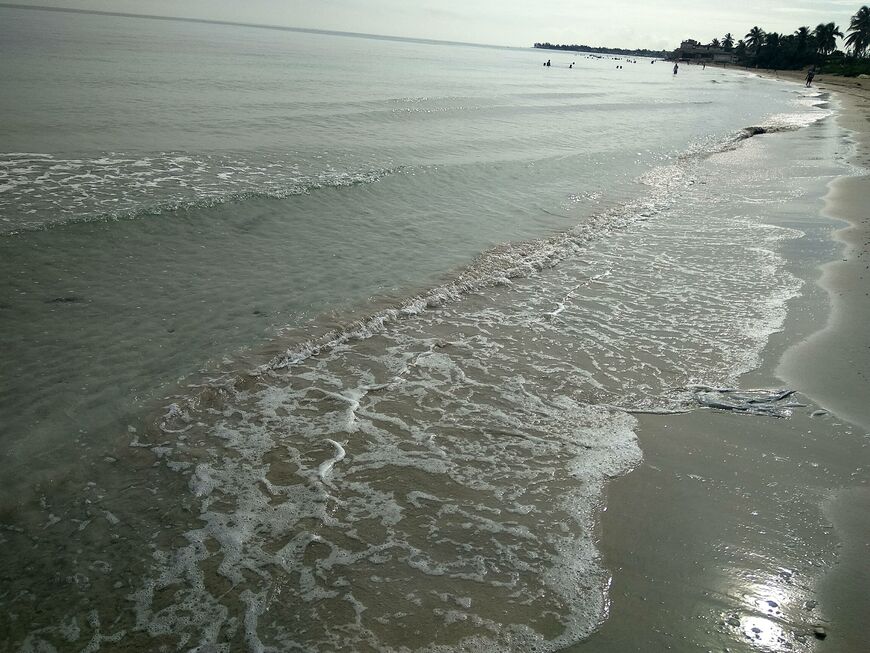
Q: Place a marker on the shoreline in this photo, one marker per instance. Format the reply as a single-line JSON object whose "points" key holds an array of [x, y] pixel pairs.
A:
{"points": [[841, 384], [737, 533]]}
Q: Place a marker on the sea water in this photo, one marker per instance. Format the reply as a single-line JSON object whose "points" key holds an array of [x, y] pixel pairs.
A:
{"points": [[316, 342]]}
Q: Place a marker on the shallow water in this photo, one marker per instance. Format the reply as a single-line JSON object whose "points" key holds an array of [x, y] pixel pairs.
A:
{"points": [[332, 342]]}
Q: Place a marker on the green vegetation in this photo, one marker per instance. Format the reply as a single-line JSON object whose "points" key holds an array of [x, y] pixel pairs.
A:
{"points": [[807, 47], [590, 49]]}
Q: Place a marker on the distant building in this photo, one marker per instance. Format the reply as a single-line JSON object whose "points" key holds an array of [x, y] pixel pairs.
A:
{"points": [[692, 51]]}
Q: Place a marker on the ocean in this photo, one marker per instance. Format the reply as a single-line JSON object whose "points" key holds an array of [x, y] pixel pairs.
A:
{"points": [[318, 342]]}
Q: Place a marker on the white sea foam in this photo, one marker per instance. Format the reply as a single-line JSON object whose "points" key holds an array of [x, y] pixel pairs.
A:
{"points": [[324, 469], [46, 191]]}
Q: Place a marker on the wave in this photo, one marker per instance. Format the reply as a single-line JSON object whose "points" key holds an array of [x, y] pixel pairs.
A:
{"points": [[498, 266], [48, 193], [503, 265], [40, 191]]}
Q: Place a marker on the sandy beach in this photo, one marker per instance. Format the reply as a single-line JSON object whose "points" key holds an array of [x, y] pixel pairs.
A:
{"points": [[739, 533]]}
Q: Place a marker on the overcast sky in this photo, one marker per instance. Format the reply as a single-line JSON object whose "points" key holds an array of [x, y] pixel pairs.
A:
{"points": [[658, 24]]}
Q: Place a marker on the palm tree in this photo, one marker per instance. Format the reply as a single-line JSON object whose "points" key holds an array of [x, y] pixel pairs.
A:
{"points": [[740, 50], [803, 37], [755, 39], [728, 41], [859, 32], [714, 43], [826, 36], [770, 53]]}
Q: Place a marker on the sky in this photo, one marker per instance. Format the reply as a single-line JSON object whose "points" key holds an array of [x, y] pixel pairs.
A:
{"points": [[654, 24]]}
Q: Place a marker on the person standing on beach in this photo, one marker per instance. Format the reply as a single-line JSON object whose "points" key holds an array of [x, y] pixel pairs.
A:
{"points": [[676, 68], [810, 75]]}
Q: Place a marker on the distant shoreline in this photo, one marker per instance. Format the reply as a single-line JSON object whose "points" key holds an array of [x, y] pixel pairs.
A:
{"points": [[588, 49]]}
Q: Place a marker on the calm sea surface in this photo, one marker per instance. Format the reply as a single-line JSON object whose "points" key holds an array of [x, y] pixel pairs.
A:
{"points": [[312, 342]]}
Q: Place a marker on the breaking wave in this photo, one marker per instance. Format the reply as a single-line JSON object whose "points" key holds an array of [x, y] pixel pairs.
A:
{"points": [[48, 192]]}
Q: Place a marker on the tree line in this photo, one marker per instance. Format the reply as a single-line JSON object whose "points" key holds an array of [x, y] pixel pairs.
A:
{"points": [[586, 48], [806, 46]]}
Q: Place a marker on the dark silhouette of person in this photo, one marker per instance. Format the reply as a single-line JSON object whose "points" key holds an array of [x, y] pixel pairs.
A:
{"points": [[810, 75], [676, 68]]}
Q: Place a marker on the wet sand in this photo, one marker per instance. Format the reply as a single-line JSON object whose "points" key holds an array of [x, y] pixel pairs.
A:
{"points": [[741, 533]]}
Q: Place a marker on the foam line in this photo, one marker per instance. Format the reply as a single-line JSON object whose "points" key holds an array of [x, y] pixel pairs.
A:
{"points": [[325, 468]]}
